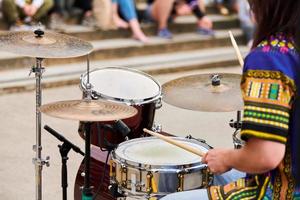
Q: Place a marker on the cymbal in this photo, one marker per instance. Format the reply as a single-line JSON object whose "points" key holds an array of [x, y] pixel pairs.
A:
{"points": [[48, 45], [88, 111], [205, 92]]}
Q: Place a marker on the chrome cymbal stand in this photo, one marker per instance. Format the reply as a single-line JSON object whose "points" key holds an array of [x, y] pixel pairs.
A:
{"points": [[38, 161], [87, 188], [237, 125]]}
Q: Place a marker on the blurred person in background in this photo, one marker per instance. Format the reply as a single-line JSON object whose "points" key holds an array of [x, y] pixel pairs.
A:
{"points": [[23, 14], [87, 18], [223, 5], [128, 11], [246, 21], [61, 10], [163, 11]]}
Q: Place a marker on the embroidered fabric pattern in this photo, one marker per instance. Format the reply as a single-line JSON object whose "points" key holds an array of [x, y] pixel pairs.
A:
{"points": [[250, 188], [267, 96], [278, 41]]}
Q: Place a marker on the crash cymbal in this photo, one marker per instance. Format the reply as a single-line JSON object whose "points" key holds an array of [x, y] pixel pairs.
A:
{"points": [[46, 44], [88, 111], [205, 92]]}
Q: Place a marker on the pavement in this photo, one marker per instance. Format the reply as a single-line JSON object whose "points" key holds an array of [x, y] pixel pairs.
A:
{"points": [[17, 131]]}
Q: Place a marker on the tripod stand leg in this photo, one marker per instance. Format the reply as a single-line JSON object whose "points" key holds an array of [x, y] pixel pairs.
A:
{"points": [[87, 191]]}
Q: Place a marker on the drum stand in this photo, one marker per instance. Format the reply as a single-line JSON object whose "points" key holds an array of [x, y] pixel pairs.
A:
{"points": [[237, 143], [64, 150], [38, 161], [87, 189]]}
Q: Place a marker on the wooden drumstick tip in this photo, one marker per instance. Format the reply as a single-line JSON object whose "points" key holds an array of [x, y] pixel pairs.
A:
{"points": [[176, 143], [236, 48]]}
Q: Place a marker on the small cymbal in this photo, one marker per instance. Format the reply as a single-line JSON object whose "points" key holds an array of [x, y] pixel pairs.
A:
{"points": [[205, 92], [49, 45], [88, 111]]}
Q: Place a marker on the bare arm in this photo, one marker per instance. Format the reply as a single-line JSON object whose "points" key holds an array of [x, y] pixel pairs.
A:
{"points": [[257, 156]]}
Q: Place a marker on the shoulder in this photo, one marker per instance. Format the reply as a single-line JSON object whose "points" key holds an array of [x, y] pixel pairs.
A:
{"points": [[276, 53]]}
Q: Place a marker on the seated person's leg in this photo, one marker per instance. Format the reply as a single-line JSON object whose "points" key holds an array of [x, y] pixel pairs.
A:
{"points": [[204, 24], [43, 10], [120, 23], [220, 6], [228, 177], [161, 11], [127, 9], [10, 11]]}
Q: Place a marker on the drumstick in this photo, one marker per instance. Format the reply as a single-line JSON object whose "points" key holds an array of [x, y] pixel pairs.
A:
{"points": [[176, 143], [236, 48]]}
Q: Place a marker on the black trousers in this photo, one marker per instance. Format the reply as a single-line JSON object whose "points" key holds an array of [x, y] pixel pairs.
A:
{"points": [[85, 5]]}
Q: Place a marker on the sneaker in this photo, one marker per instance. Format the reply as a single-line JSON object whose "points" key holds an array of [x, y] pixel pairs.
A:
{"points": [[164, 33], [89, 21], [35, 26], [19, 26], [223, 10], [205, 31], [56, 22]]}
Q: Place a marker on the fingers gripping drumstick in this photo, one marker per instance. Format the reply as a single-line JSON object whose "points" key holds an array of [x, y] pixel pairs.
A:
{"points": [[176, 143]]}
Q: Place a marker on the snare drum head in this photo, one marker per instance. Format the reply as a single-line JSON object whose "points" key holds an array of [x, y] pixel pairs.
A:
{"points": [[123, 84], [153, 151]]}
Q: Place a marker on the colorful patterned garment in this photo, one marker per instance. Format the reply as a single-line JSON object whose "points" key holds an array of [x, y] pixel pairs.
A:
{"points": [[270, 86]]}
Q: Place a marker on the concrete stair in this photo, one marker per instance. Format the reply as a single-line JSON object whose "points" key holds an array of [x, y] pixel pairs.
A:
{"points": [[19, 80], [186, 51]]}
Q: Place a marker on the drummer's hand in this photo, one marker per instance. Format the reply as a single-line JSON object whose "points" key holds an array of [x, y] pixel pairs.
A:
{"points": [[216, 161]]}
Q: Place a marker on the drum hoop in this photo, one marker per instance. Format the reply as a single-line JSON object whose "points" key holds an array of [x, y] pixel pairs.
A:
{"points": [[126, 101], [176, 168], [143, 194], [187, 168]]}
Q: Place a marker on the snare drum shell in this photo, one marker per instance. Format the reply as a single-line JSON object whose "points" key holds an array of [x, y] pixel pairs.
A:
{"points": [[133, 177], [165, 182]]}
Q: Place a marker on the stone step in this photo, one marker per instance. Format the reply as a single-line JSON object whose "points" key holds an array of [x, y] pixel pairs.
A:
{"points": [[18, 81], [181, 24], [124, 48]]}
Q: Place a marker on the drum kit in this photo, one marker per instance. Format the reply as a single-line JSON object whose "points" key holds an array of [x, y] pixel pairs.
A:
{"points": [[117, 104]]}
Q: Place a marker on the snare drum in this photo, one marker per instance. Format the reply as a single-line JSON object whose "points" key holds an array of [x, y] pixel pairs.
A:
{"points": [[123, 85], [150, 167]]}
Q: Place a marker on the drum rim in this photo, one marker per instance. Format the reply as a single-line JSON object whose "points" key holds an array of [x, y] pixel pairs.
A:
{"points": [[126, 101], [177, 168]]}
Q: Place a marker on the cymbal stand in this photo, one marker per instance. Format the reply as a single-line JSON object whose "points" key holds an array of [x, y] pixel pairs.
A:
{"points": [[38, 161], [87, 189], [237, 143]]}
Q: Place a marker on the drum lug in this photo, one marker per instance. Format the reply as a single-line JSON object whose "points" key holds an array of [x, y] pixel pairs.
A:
{"points": [[124, 176], [207, 178], [180, 182], [158, 104], [149, 188], [156, 127], [112, 169]]}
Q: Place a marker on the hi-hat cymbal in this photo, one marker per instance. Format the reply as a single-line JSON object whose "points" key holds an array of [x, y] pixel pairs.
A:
{"points": [[205, 92], [47, 45], [88, 111]]}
